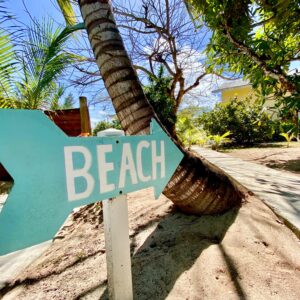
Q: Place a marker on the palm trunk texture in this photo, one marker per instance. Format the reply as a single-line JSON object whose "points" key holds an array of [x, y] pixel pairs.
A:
{"points": [[197, 187]]}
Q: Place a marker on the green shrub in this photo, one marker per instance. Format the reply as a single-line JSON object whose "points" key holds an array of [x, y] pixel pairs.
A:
{"points": [[287, 126], [187, 131], [219, 140], [289, 136], [282, 127], [246, 121]]}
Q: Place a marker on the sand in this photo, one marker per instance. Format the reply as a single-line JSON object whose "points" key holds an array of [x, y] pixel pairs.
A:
{"points": [[246, 253]]}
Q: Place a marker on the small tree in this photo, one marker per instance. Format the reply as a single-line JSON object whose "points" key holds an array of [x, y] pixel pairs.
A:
{"points": [[219, 140], [157, 93], [289, 136], [69, 102]]}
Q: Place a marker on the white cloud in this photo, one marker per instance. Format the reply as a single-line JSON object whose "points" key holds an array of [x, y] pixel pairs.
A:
{"points": [[97, 115]]}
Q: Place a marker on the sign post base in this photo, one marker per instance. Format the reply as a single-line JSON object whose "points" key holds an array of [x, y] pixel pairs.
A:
{"points": [[117, 244]]}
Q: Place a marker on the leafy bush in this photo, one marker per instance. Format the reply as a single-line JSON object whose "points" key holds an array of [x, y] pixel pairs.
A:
{"points": [[286, 126], [219, 140], [246, 121], [280, 127], [187, 130]]}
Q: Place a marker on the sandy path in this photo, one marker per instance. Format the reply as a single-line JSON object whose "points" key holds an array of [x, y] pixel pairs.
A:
{"points": [[244, 254], [281, 158]]}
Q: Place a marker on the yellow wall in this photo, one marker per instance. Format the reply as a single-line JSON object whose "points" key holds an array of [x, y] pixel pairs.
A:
{"points": [[240, 92], [243, 92]]}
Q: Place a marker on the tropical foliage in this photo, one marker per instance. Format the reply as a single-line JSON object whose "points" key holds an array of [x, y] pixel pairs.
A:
{"points": [[187, 127], [289, 136], [32, 72], [247, 122], [258, 39], [218, 140], [67, 11], [157, 92], [67, 103], [7, 68], [188, 133]]}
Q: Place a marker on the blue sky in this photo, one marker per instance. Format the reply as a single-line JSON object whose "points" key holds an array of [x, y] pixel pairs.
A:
{"points": [[48, 8], [37, 8]]}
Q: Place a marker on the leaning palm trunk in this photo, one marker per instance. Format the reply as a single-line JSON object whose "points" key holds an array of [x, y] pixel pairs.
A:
{"points": [[196, 187]]}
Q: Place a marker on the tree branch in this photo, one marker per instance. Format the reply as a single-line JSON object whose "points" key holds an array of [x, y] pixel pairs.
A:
{"points": [[143, 20], [196, 83], [276, 74], [135, 29]]}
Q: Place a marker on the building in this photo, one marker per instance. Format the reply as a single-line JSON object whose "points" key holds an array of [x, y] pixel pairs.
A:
{"points": [[242, 89]]}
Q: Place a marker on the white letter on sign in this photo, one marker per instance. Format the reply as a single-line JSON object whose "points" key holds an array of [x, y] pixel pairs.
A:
{"points": [[71, 173], [103, 168], [127, 164], [158, 160], [139, 164]]}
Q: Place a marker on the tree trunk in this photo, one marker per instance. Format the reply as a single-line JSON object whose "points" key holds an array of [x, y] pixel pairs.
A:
{"points": [[196, 187]]}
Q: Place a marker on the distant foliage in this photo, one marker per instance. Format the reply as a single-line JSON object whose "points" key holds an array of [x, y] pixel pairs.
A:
{"points": [[187, 129], [69, 102], [246, 122], [158, 94], [102, 125]]}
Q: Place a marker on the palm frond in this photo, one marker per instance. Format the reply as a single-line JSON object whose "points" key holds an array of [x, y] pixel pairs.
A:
{"points": [[7, 67], [58, 92], [41, 61], [4, 103], [44, 61], [67, 11]]}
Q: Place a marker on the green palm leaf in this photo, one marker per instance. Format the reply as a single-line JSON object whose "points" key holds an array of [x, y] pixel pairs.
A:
{"points": [[67, 11], [43, 62], [28, 78], [7, 69]]}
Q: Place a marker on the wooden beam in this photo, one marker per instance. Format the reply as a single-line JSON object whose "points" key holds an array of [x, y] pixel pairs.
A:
{"points": [[85, 117]]}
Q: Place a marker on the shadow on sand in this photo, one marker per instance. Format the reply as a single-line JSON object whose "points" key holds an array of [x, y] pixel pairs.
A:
{"points": [[171, 249]]}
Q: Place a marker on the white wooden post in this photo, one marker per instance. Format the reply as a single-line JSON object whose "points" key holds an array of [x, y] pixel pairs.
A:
{"points": [[117, 243]]}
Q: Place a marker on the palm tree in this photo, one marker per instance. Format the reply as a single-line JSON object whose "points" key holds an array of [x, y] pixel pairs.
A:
{"points": [[39, 64], [7, 68], [197, 186]]}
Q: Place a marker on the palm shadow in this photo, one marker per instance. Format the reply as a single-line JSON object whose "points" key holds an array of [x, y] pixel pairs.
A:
{"points": [[173, 248]]}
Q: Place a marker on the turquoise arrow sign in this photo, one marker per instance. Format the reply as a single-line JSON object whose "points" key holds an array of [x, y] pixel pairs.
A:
{"points": [[54, 173]]}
